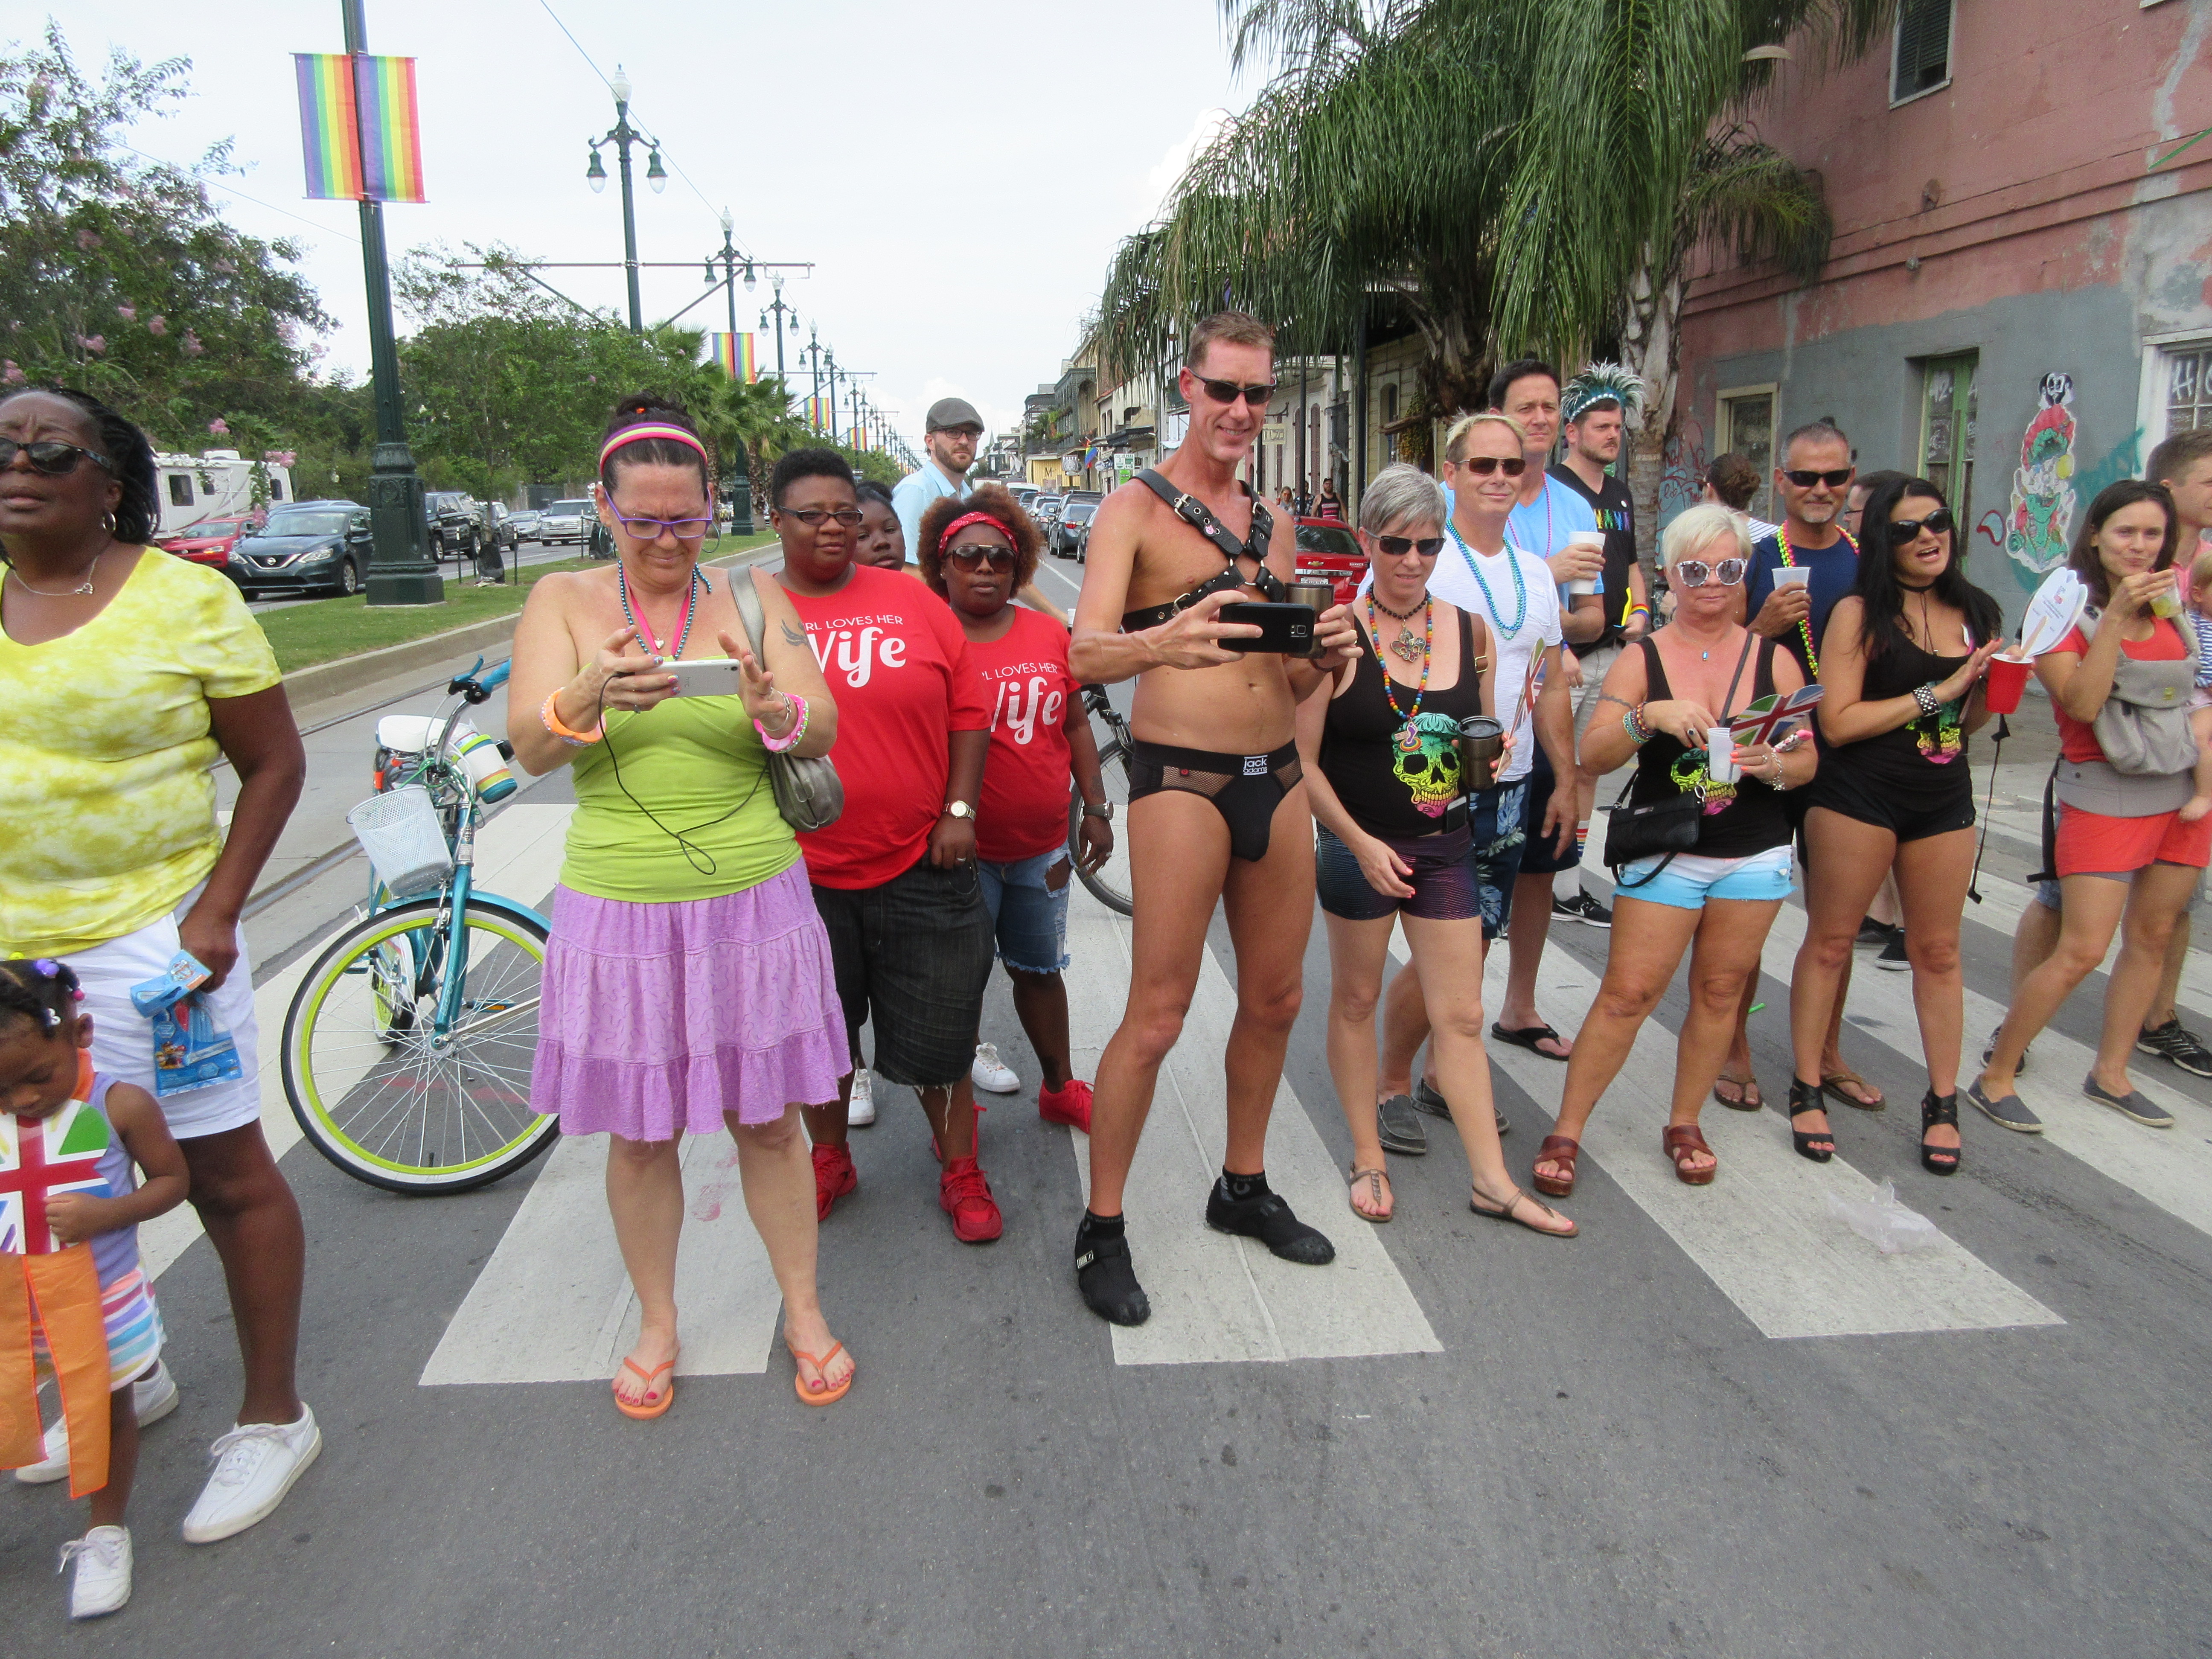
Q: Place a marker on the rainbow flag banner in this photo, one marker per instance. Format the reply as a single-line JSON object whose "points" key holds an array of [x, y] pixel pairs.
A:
{"points": [[359, 127], [817, 414], [735, 352]]}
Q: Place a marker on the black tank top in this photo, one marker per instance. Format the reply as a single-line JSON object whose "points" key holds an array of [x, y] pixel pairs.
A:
{"points": [[1741, 818], [1387, 789], [1920, 766]]}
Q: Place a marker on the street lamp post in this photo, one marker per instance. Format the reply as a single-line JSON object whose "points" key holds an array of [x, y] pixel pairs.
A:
{"points": [[622, 137], [831, 357], [740, 484], [778, 306], [400, 568], [814, 350]]}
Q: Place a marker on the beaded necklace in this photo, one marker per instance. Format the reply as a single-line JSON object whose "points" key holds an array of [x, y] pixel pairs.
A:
{"points": [[1519, 586], [1408, 738], [1789, 562], [644, 629]]}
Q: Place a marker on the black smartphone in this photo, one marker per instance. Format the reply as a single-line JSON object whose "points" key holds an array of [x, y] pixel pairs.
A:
{"points": [[1288, 629]]}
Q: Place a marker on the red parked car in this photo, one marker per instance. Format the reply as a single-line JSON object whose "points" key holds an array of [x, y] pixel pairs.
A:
{"points": [[206, 543], [1329, 552]]}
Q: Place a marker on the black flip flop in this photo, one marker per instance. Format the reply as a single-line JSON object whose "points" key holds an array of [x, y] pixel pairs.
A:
{"points": [[1528, 1036]]}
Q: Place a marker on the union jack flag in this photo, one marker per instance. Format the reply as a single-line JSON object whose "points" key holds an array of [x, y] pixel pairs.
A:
{"points": [[1763, 720], [39, 1160]]}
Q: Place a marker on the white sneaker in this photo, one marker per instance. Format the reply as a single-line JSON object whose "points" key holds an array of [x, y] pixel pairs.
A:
{"points": [[991, 1073], [256, 1464], [102, 1583], [862, 1112], [153, 1395]]}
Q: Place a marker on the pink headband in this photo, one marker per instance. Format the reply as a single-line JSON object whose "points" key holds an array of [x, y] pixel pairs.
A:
{"points": [[636, 434], [967, 519]]}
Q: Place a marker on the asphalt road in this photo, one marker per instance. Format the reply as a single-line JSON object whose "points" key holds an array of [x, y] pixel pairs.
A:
{"points": [[529, 553], [1716, 1423]]}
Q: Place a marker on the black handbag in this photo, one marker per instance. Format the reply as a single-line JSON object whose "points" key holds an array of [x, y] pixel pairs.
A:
{"points": [[1661, 828]]}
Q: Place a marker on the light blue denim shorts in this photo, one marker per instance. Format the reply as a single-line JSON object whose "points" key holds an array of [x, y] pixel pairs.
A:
{"points": [[1028, 919], [1690, 880]]}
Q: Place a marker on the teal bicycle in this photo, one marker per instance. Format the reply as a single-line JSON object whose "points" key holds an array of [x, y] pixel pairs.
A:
{"points": [[408, 1046]]}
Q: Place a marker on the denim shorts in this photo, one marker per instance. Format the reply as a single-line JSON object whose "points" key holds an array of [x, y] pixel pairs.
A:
{"points": [[1029, 918], [1690, 880], [1538, 857], [913, 956], [1496, 843], [1443, 879]]}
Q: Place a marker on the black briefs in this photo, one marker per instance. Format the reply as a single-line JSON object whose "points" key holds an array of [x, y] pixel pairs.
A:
{"points": [[1245, 789]]}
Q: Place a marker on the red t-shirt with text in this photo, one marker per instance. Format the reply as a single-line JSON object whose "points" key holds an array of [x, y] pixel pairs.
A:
{"points": [[2077, 739], [1025, 782], [903, 678]]}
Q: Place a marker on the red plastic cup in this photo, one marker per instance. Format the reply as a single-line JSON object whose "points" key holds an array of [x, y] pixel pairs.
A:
{"points": [[2007, 679]]}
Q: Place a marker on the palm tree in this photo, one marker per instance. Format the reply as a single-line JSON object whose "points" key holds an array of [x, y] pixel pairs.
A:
{"points": [[757, 416], [1519, 173]]}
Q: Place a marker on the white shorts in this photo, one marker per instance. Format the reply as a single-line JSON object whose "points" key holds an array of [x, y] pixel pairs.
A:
{"points": [[123, 1039]]}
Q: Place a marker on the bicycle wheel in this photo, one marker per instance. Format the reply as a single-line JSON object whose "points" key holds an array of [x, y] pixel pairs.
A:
{"points": [[1111, 885], [379, 1090]]}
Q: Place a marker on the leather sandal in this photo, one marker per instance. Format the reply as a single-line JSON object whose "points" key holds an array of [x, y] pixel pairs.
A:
{"points": [[1679, 1141], [1376, 1194], [1939, 1160], [1808, 1097], [1750, 1098], [1840, 1082], [1510, 1211], [1557, 1149]]}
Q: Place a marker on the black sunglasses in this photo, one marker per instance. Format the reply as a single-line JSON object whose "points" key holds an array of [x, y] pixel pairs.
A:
{"points": [[976, 557], [1483, 466], [811, 517], [1395, 546], [1835, 480], [1228, 391], [1902, 531], [50, 456]]}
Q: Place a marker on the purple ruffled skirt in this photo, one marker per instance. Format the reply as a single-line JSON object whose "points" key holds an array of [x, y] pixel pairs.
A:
{"points": [[661, 1018]]}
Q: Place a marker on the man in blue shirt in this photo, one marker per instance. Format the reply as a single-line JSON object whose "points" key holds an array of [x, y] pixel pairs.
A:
{"points": [[950, 434]]}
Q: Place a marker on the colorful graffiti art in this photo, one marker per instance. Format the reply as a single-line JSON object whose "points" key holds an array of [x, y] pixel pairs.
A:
{"points": [[2043, 499]]}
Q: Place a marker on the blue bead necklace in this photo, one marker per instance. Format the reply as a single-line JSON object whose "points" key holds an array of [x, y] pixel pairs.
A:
{"points": [[1519, 586]]}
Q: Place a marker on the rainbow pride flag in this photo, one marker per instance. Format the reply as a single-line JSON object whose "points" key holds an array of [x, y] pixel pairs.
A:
{"points": [[735, 353], [360, 128], [817, 414]]}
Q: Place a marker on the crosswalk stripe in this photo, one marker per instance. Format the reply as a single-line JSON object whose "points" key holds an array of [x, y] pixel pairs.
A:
{"points": [[1761, 1231], [1216, 1298]]}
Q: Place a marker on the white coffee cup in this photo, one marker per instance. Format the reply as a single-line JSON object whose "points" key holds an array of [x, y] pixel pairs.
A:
{"points": [[1594, 540], [1792, 575], [1720, 754]]}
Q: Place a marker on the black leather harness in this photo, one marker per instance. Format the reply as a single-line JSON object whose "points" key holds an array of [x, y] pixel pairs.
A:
{"points": [[1195, 514]]}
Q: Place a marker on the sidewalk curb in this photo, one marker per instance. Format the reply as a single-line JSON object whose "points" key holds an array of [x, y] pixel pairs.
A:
{"points": [[334, 679]]}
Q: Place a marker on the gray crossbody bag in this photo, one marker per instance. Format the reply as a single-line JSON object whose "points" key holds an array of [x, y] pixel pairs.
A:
{"points": [[808, 791]]}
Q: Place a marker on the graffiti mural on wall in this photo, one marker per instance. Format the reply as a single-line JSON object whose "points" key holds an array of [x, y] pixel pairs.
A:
{"points": [[2043, 498], [1682, 477]]}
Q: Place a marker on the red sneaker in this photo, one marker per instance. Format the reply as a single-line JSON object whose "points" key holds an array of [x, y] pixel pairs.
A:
{"points": [[1070, 1105], [834, 1177], [965, 1195]]}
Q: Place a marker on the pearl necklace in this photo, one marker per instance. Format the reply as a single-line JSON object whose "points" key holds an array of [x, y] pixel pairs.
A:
{"points": [[645, 630]]}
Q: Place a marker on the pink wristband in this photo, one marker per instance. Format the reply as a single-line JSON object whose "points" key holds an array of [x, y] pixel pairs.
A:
{"points": [[777, 746]]}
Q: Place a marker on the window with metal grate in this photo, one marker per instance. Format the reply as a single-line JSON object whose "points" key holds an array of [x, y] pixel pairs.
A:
{"points": [[1924, 48]]}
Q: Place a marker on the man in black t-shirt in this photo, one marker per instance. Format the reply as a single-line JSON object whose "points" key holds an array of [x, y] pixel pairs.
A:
{"points": [[1595, 404]]}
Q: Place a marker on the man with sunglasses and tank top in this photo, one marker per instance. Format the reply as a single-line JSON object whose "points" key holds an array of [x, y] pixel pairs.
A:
{"points": [[1813, 482], [1217, 799]]}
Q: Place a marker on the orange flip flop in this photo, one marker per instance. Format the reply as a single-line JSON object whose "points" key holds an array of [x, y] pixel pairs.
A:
{"points": [[652, 1408], [830, 1397]]}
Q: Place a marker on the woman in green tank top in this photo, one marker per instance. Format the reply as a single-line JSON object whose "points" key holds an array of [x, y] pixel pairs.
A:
{"points": [[688, 983]]}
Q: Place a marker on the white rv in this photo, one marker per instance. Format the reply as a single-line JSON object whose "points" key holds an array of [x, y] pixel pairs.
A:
{"points": [[217, 485]]}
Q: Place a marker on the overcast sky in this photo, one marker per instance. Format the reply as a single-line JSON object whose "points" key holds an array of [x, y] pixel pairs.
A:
{"points": [[959, 175]]}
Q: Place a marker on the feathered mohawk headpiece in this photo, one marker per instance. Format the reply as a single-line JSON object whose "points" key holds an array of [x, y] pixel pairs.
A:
{"points": [[1603, 383]]}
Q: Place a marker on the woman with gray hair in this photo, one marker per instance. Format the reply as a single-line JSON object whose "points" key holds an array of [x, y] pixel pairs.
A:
{"points": [[1381, 760], [1664, 704]]}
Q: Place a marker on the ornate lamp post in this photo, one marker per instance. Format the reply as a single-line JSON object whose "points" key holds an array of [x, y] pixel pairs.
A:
{"points": [[622, 137]]}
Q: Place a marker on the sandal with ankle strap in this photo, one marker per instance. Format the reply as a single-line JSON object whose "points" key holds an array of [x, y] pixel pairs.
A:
{"points": [[1934, 1112], [1556, 1149], [1376, 1195], [1507, 1211], [1679, 1141], [1808, 1097]]}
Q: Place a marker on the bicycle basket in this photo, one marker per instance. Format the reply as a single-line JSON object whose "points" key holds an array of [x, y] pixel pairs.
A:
{"points": [[401, 833]]}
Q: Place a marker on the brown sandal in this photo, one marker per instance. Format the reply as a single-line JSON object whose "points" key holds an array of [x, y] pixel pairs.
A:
{"points": [[1556, 1149], [1750, 1098], [1678, 1141], [1832, 1083], [1510, 1211], [1374, 1178]]}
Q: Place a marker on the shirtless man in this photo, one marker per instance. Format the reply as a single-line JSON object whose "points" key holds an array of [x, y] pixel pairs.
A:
{"points": [[1217, 805]]}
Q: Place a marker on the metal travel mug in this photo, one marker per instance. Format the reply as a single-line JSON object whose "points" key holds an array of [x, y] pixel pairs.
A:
{"points": [[1320, 596], [1481, 741]]}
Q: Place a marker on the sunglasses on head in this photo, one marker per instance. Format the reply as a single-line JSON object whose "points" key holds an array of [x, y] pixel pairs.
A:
{"points": [[998, 556], [1696, 573], [1902, 531], [1805, 480], [1483, 466], [1395, 547], [1228, 391], [50, 456]]}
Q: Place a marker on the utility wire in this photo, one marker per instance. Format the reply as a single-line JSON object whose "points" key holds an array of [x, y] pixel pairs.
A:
{"points": [[206, 179]]}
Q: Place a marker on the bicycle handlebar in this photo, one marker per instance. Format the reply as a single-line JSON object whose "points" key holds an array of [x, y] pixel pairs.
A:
{"points": [[475, 689]]}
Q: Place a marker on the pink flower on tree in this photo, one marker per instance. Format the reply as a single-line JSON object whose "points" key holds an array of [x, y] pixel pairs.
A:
{"points": [[192, 346], [128, 313], [86, 240], [11, 373], [94, 344], [216, 427], [284, 457], [157, 326]]}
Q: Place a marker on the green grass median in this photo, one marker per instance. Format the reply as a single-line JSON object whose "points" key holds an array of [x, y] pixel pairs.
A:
{"points": [[326, 629]]}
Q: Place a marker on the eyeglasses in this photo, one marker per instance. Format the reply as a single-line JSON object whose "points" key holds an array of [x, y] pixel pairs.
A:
{"points": [[977, 555], [51, 457], [1228, 391], [1835, 480], [1395, 546], [1902, 531], [1483, 466], [811, 517], [1696, 573], [648, 529]]}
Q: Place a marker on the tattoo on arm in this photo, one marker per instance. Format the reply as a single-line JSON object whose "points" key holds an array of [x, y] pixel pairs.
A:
{"points": [[792, 636], [1618, 703]]}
